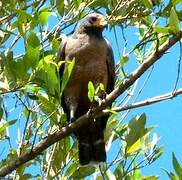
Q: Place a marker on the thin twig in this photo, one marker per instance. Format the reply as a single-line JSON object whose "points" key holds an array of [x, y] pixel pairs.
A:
{"points": [[179, 66]]}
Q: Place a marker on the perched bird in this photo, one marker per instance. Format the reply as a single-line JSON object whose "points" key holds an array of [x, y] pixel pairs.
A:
{"points": [[93, 62]]}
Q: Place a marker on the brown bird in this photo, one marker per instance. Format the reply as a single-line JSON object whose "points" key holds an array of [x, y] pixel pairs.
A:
{"points": [[93, 62]]}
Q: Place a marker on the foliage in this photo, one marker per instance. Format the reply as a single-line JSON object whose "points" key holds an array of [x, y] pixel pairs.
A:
{"points": [[30, 34], [177, 168]]}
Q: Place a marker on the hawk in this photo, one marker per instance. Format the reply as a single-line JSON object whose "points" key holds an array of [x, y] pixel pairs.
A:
{"points": [[94, 62]]}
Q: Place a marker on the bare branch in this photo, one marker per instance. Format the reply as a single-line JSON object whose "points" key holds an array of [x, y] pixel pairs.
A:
{"points": [[67, 130], [149, 101]]}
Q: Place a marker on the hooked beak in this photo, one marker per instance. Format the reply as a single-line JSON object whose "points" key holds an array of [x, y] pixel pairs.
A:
{"points": [[101, 22]]}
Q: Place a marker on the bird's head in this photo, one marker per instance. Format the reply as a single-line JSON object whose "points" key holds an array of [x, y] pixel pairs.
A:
{"points": [[92, 24]]}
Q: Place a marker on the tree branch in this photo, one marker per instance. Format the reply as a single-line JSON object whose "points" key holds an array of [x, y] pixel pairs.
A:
{"points": [[149, 101], [141, 69], [67, 130]]}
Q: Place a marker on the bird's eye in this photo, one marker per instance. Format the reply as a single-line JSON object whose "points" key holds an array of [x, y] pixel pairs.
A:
{"points": [[93, 19]]}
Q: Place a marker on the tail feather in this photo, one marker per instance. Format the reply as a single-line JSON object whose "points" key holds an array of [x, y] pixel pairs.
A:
{"points": [[85, 153], [99, 152], [92, 152]]}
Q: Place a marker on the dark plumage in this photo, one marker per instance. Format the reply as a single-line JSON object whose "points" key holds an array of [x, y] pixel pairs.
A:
{"points": [[93, 62]]}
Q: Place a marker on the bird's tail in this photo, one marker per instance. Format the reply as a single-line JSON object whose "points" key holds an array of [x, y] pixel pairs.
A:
{"points": [[99, 152], [92, 152], [85, 153]]}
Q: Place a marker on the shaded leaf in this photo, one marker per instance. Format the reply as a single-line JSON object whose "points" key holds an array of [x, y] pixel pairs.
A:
{"points": [[158, 153], [171, 175], [82, 172], [33, 40], [176, 166], [1, 113]]}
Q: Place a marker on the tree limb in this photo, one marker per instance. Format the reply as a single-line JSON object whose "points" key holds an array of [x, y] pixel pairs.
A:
{"points": [[149, 101], [67, 130]]}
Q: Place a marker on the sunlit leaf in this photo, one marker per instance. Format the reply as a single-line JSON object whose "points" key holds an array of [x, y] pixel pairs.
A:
{"points": [[91, 91], [4, 125], [134, 147], [44, 17], [136, 130], [150, 178], [124, 60], [173, 21], [136, 172]]}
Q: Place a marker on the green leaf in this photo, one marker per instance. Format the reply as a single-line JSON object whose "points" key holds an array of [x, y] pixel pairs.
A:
{"points": [[60, 7], [173, 21], [33, 40], [111, 125], [1, 113], [82, 172], [150, 178], [71, 169], [6, 124], [118, 172], [48, 107], [101, 87], [176, 166], [163, 30], [91, 91], [55, 44], [171, 175], [124, 60], [31, 57], [158, 153], [136, 130], [147, 3], [136, 172], [44, 17], [46, 75], [67, 74]]}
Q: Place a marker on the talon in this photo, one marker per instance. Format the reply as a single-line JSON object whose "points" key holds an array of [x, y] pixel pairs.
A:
{"points": [[99, 100]]}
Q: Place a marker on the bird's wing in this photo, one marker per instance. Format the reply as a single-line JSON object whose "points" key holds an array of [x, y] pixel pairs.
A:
{"points": [[61, 54], [111, 68]]}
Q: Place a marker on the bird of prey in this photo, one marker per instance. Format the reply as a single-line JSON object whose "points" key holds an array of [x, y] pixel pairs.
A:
{"points": [[93, 62]]}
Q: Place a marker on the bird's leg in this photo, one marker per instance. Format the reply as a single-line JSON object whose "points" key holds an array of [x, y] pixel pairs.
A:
{"points": [[72, 118], [97, 101], [72, 113], [100, 97]]}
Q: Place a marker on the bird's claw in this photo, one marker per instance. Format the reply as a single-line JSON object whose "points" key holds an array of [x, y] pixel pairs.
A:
{"points": [[98, 100]]}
